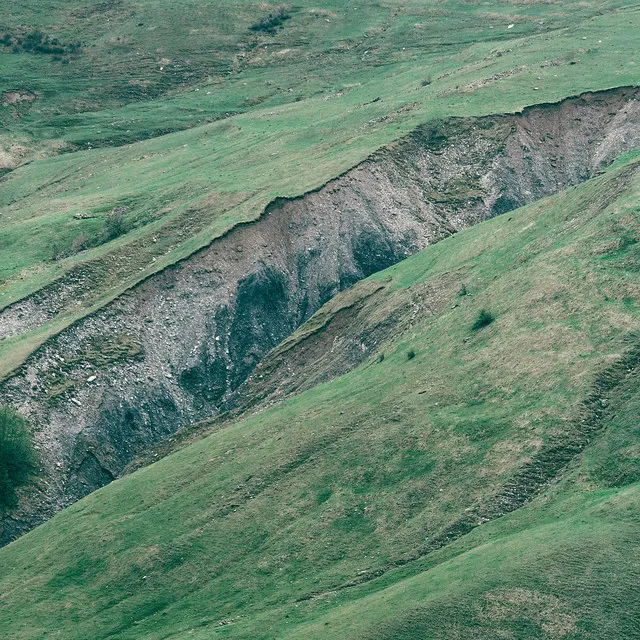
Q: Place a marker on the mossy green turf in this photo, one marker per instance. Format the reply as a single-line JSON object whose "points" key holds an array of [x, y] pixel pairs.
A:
{"points": [[289, 112], [319, 517]]}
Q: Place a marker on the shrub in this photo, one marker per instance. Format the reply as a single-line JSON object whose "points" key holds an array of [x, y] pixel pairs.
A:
{"points": [[271, 22], [483, 319], [81, 243], [57, 252], [114, 224], [17, 455], [38, 42], [411, 354], [323, 495]]}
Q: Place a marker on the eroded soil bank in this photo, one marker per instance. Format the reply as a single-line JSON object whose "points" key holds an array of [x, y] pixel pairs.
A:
{"points": [[178, 347]]}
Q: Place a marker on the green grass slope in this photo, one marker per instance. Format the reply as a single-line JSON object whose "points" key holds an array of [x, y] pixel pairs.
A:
{"points": [[485, 486], [253, 116]]}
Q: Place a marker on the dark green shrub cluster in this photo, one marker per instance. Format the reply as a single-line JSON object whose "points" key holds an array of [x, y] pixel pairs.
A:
{"points": [[271, 22], [115, 224], [17, 455], [38, 42], [483, 319]]}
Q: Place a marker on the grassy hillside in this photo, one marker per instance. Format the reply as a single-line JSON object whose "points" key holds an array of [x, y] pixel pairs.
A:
{"points": [[475, 482], [89, 87]]}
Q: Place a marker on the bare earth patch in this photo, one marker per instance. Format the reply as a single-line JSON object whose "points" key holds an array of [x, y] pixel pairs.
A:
{"points": [[547, 611], [13, 97]]}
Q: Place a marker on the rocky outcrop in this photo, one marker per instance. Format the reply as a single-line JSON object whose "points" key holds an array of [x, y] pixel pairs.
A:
{"points": [[176, 348]]}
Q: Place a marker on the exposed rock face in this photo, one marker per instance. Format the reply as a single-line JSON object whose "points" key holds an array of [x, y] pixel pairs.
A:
{"points": [[174, 349]]}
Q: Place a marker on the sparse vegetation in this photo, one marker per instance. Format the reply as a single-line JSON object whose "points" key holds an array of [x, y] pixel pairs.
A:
{"points": [[17, 455], [57, 251], [100, 352], [81, 243]]}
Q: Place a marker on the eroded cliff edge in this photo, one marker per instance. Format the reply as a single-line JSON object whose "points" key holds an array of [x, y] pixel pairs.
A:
{"points": [[176, 348]]}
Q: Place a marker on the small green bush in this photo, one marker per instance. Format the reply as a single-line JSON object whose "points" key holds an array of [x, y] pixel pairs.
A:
{"points": [[17, 455], [57, 252], [411, 354], [323, 495], [271, 22], [80, 243], [114, 224], [483, 319]]}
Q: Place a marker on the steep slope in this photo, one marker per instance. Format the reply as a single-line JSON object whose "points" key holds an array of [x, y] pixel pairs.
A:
{"points": [[146, 150], [504, 451], [177, 347], [334, 84], [562, 567]]}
